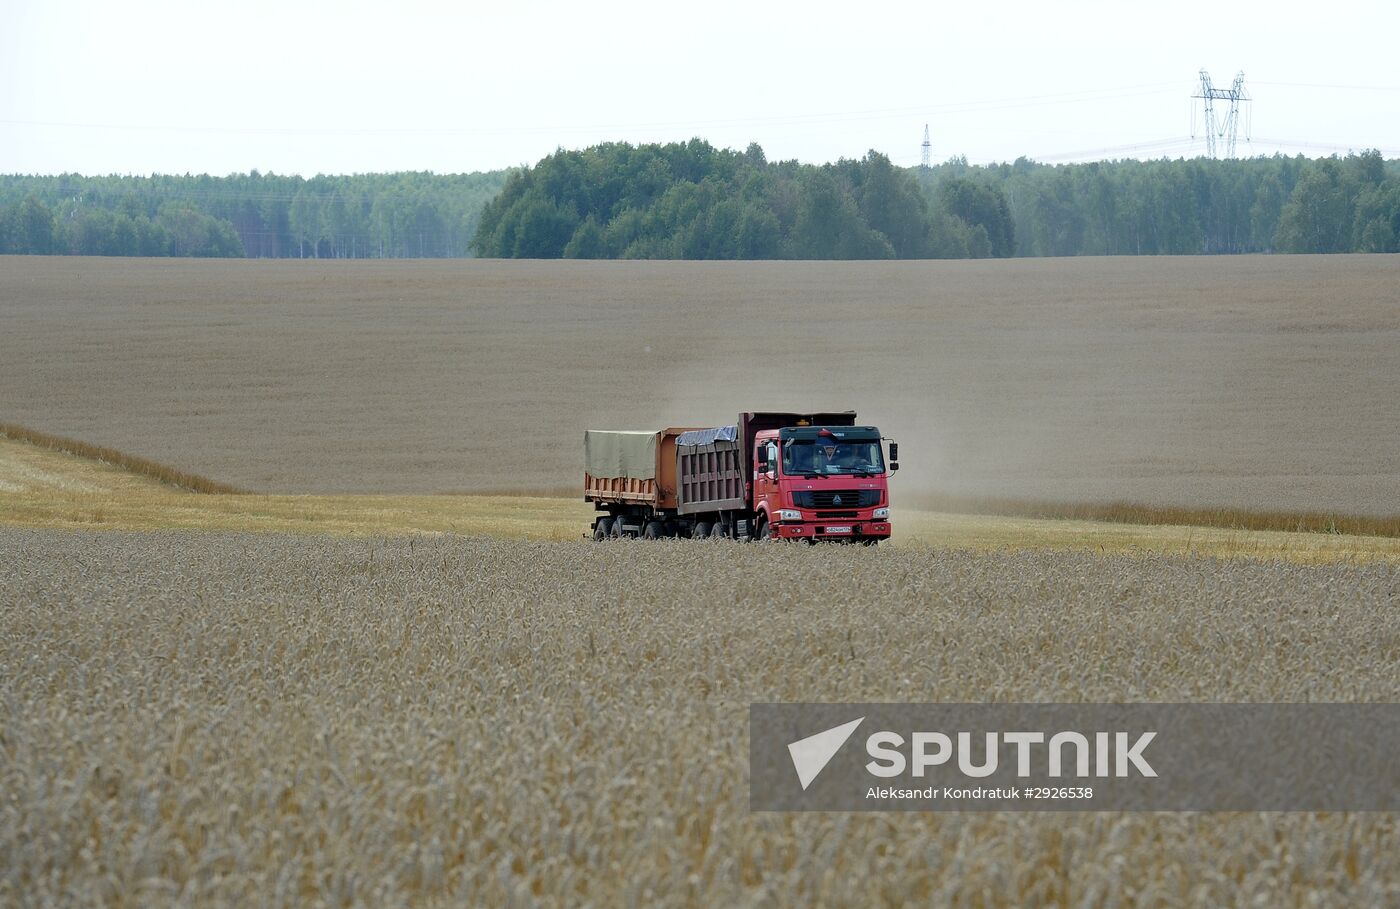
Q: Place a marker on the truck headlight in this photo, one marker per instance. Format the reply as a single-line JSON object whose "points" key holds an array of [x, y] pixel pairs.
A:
{"points": [[789, 514], [880, 514]]}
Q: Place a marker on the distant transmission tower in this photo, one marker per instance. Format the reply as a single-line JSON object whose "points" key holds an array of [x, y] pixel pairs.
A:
{"points": [[1228, 127], [928, 149]]}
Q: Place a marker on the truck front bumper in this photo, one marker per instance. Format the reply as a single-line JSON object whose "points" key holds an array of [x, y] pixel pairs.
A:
{"points": [[833, 530]]}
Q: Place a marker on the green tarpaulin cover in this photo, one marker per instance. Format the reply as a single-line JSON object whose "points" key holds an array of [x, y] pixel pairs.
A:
{"points": [[608, 453]]}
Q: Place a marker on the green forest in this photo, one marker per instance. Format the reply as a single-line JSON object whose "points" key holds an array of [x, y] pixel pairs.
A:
{"points": [[404, 215], [1185, 207], [694, 201]]}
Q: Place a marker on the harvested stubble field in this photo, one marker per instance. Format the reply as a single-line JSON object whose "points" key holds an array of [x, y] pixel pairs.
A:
{"points": [[237, 719], [1224, 382]]}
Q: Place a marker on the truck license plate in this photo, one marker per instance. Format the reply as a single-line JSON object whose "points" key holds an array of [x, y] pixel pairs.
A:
{"points": [[838, 530]]}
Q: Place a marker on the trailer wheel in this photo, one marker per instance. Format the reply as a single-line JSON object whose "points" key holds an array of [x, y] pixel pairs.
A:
{"points": [[602, 529], [652, 531], [701, 531]]}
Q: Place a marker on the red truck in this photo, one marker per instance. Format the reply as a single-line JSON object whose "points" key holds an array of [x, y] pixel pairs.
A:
{"points": [[789, 476]]}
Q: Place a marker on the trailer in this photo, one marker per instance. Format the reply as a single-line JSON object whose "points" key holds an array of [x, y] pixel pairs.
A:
{"points": [[632, 476]]}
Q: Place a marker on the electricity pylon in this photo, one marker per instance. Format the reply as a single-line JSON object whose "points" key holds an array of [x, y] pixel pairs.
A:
{"points": [[1228, 127]]}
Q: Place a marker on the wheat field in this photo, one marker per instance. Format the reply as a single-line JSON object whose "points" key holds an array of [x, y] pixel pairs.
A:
{"points": [[371, 663], [1197, 382], [235, 719]]}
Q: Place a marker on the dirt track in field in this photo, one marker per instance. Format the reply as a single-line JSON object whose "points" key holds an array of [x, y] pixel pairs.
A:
{"points": [[1260, 382]]}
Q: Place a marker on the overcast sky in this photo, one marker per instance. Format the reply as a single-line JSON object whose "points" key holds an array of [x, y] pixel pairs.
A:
{"points": [[98, 86]]}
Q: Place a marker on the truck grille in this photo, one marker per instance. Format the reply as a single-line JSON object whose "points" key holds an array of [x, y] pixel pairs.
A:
{"points": [[826, 498], [837, 514]]}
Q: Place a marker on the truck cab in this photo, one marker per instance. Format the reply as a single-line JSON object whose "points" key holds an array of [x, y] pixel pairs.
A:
{"points": [[816, 482]]}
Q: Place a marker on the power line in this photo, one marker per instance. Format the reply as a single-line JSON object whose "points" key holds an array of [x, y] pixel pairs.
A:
{"points": [[1322, 146], [1159, 145]]}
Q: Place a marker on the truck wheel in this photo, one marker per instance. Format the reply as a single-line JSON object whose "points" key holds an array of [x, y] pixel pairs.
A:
{"points": [[603, 529], [762, 531], [652, 531], [615, 528], [701, 531], [718, 532]]}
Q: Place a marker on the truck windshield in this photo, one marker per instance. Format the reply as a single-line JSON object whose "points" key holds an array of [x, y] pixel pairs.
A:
{"points": [[826, 457]]}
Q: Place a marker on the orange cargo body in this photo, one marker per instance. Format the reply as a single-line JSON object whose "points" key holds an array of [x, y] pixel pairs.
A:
{"points": [[618, 489], [659, 491]]}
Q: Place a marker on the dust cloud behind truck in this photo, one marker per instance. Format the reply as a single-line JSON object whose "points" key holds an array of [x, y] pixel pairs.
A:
{"points": [[771, 475]]}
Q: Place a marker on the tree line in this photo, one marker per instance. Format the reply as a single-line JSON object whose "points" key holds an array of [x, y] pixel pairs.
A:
{"points": [[1194, 206], [402, 215], [693, 201]]}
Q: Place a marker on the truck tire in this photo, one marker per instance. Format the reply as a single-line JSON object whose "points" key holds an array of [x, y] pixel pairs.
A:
{"points": [[602, 529], [763, 531], [719, 531], [701, 531], [615, 528], [653, 531]]}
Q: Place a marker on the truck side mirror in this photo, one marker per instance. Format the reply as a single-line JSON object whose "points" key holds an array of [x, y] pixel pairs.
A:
{"points": [[894, 451]]}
